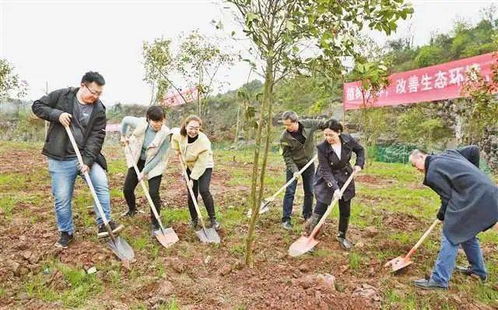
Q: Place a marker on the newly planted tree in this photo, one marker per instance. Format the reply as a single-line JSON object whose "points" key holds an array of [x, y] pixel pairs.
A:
{"points": [[243, 98], [299, 36]]}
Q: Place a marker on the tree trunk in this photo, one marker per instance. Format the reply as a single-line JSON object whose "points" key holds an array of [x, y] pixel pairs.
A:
{"points": [[249, 129], [254, 202], [267, 142], [153, 94], [199, 103], [236, 138]]}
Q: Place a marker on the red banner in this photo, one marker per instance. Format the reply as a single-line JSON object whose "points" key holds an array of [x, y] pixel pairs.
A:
{"points": [[174, 99], [432, 83]]}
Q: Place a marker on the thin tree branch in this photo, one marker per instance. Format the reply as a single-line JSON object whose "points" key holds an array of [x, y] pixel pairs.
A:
{"points": [[169, 81]]}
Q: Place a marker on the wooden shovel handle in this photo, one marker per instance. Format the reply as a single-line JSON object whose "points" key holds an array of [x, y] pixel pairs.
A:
{"points": [[191, 191], [424, 236], [89, 182], [293, 178], [145, 189], [331, 206]]}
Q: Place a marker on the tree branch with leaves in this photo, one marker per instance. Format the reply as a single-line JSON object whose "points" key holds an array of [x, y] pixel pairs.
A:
{"points": [[10, 85], [280, 31]]}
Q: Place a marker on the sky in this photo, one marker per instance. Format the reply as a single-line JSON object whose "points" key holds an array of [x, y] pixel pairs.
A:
{"points": [[55, 42]]}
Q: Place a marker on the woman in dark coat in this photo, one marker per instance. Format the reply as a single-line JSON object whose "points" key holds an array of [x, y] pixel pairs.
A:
{"points": [[333, 170]]}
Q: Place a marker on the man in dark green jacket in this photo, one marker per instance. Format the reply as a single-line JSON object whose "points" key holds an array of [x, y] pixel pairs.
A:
{"points": [[298, 147], [80, 109]]}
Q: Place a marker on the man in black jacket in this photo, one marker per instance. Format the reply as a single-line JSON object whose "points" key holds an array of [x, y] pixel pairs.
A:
{"points": [[469, 205], [81, 110]]}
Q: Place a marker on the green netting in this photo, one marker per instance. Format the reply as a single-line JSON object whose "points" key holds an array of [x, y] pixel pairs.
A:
{"points": [[393, 153], [483, 165], [398, 153]]}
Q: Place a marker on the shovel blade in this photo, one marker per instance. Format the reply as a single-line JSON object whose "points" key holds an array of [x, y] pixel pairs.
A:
{"points": [[208, 235], [121, 248], [265, 206], [398, 263], [302, 245], [166, 237]]}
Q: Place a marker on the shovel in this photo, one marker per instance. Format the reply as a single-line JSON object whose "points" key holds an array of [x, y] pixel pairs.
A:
{"points": [[206, 235], [304, 244], [401, 262], [166, 236], [265, 204], [118, 245]]}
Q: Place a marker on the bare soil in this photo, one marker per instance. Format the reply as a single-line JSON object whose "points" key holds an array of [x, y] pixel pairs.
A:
{"points": [[199, 276]]}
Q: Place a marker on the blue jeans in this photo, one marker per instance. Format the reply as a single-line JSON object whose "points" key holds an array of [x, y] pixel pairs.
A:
{"points": [[290, 191], [446, 259], [63, 175]]}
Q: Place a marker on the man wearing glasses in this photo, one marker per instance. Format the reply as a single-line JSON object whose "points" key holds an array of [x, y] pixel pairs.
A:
{"points": [[81, 110]]}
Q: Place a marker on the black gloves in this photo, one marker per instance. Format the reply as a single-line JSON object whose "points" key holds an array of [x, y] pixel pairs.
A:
{"points": [[440, 215]]}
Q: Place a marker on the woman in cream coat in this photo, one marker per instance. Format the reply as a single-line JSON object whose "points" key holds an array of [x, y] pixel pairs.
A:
{"points": [[195, 150]]}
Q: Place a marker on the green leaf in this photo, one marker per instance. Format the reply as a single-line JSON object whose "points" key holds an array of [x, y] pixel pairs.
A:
{"points": [[290, 26], [251, 17]]}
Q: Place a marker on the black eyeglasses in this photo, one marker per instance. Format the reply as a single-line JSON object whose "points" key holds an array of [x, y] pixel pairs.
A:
{"points": [[93, 92]]}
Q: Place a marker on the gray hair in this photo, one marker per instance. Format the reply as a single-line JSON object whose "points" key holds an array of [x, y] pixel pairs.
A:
{"points": [[290, 115], [416, 153]]}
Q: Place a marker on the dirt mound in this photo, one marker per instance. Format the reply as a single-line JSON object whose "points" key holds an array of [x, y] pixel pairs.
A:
{"points": [[368, 179], [86, 253], [403, 221]]}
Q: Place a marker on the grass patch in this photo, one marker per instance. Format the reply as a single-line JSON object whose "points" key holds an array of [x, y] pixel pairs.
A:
{"points": [[355, 260], [171, 305], [80, 287], [140, 242], [237, 250]]}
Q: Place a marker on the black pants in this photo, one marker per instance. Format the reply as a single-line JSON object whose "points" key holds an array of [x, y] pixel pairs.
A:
{"points": [[131, 183], [344, 213], [202, 186]]}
